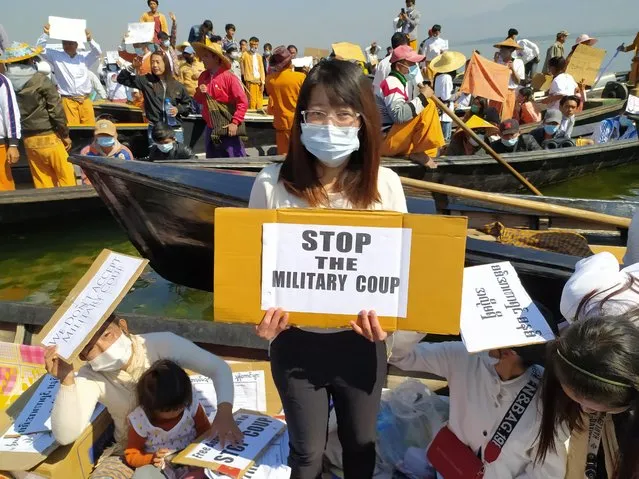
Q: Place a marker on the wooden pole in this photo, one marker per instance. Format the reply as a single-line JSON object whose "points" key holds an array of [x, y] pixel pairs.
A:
{"points": [[548, 209], [485, 146]]}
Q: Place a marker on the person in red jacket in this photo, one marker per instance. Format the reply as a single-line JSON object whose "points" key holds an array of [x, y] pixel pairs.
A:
{"points": [[219, 83]]}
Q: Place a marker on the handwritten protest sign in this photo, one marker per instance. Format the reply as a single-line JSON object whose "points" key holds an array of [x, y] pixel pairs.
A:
{"points": [[68, 29], [585, 64], [633, 105], [91, 302], [36, 415], [304, 62], [335, 269], [497, 312], [233, 461], [140, 33]]}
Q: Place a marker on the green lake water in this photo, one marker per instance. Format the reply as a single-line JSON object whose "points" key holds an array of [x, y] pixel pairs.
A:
{"points": [[41, 263]]}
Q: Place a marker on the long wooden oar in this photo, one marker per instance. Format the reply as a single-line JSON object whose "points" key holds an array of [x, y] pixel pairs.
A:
{"points": [[486, 147], [547, 209]]}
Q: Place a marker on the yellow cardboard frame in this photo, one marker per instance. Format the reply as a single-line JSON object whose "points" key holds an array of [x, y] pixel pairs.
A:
{"points": [[435, 278]]}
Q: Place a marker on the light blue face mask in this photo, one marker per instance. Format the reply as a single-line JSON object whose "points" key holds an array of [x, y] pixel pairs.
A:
{"points": [[165, 147], [412, 73], [140, 52], [510, 143], [106, 141], [551, 129]]}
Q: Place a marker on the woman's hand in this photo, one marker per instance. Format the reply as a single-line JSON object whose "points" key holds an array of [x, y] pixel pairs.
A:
{"points": [[158, 457], [367, 325], [232, 129], [273, 323], [58, 367], [224, 427]]}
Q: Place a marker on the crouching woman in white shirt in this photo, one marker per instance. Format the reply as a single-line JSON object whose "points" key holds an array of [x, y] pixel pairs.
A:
{"points": [[483, 389], [116, 360], [333, 162]]}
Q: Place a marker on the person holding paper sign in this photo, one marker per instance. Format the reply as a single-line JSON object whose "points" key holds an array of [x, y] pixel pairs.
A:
{"points": [[71, 71], [591, 386], [116, 360], [155, 17], [494, 404], [333, 162]]}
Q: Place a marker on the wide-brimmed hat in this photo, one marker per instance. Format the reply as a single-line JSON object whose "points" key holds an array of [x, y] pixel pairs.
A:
{"points": [[18, 52], [106, 127], [508, 43], [447, 62], [563, 33], [476, 123], [281, 58], [182, 46], [214, 48], [584, 38], [404, 52]]}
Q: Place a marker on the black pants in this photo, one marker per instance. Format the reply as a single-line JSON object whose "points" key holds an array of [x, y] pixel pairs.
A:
{"points": [[309, 369]]}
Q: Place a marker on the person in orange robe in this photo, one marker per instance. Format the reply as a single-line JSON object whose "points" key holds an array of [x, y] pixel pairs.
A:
{"points": [[283, 86]]}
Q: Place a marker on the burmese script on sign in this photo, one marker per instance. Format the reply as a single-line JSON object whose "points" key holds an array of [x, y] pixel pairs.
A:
{"points": [[497, 311], [91, 304], [335, 269]]}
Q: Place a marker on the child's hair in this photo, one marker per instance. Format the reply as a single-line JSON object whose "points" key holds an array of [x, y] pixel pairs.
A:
{"points": [[165, 386], [161, 131], [526, 93]]}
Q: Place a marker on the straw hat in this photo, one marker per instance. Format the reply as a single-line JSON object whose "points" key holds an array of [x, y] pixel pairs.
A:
{"points": [[214, 48], [584, 38], [180, 48], [447, 62], [508, 43], [476, 123], [18, 52]]}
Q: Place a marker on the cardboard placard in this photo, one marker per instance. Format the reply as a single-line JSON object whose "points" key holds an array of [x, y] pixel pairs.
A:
{"points": [[91, 302], [434, 274], [316, 52], [585, 64], [254, 389], [68, 29], [140, 32], [541, 82], [497, 312], [348, 51], [20, 367], [234, 461]]}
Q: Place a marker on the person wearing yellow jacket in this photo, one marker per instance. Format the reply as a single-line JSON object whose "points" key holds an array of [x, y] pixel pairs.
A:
{"points": [[253, 73], [155, 17], [283, 86]]}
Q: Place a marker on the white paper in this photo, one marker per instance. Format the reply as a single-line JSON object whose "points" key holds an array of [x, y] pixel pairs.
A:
{"points": [[36, 415], [303, 62], [497, 312], [335, 269], [250, 392], [32, 443], [140, 33], [112, 57], [92, 303], [633, 105], [258, 431], [68, 29]]}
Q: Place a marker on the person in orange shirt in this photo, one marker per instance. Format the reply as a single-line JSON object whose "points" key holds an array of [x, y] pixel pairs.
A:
{"points": [[153, 16], [526, 110], [253, 72], [166, 420], [283, 86]]}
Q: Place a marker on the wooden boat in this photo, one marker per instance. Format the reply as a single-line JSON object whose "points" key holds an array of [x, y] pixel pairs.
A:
{"points": [[168, 213], [594, 111]]}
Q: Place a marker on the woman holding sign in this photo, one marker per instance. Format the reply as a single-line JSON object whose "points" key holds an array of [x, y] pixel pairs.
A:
{"points": [[333, 162], [116, 360]]}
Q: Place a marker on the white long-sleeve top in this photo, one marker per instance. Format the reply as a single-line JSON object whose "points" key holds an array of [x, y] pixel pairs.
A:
{"points": [[10, 131], [479, 400], [71, 73], [116, 390], [599, 273], [383, 70]]}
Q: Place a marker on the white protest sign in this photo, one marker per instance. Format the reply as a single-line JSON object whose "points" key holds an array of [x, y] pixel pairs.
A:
{"points": [[30, 443], [303, 62], [140, 33], [36, 415], [112, 57], [68, 29], [249, 386], [633, 105], [259, 431], [335, 269], [497, 312], [91, 301]]}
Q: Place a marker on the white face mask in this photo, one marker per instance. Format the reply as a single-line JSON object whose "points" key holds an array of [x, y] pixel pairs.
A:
{"points": [[235, 55], [114, 358], [331, 145], [165, 147]]}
